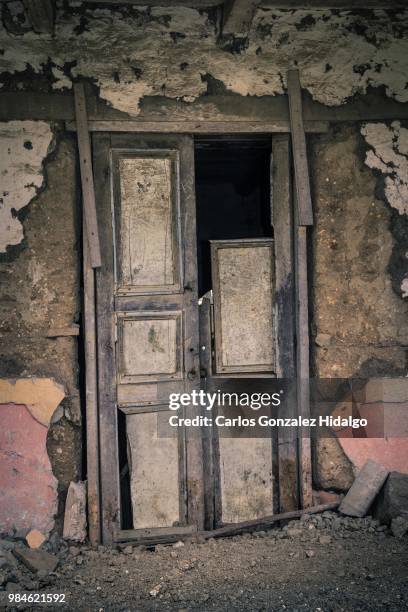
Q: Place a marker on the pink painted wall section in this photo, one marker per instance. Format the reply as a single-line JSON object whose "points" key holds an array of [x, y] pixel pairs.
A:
{"points": [[384, 404], [28, 488]]}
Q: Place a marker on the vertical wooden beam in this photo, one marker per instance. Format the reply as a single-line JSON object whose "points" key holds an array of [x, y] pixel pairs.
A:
{"points": [[194, 449], [238, 15], [303, 370], [87, 182], [205, 373], [105, 312], [302, 183], [91, 399], [282, 221]]}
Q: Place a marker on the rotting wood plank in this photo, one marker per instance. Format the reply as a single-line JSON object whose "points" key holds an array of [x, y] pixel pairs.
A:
{"points": [[87, 182], [265, 522], [104, 287], [284, 303], [372, 106], [238, 16], [302, 183], [198, 127], [157, 534], [59, 332], [193, 440], [91, 399], [205, 373], [302, 369]]}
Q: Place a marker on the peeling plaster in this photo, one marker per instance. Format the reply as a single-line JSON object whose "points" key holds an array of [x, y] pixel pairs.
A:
{"points": [[23, 148], [132, 52], [41, 396], [389, 155]]}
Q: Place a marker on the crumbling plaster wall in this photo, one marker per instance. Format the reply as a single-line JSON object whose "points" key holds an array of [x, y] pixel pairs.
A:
{"points": [[359, 317], [133, 53], [40, 290]]}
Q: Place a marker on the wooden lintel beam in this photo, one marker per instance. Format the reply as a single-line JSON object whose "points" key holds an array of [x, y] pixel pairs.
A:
{"points": [[41, 14], [199, 127], [238, 15], [87, 182], [302, 181]]}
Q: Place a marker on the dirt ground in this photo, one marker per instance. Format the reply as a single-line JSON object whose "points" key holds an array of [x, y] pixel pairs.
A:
{"points": [[321, 563]]}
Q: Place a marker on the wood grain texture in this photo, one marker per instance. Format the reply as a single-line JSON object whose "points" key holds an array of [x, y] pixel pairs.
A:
{"points": [[87, 181], [154, 466], [282, 220], [91, 399], [147, 222], [243, 286], [302, 182], [199, 127], [109, 469]]}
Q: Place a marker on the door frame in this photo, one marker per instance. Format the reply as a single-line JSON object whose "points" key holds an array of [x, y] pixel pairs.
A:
{"points": [[282, 217]]}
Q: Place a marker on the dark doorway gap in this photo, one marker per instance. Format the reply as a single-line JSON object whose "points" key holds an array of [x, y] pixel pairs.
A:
{"points": [[232, 194]]}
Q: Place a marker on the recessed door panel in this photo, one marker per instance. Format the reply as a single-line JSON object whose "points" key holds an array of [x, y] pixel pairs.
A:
{"points": [[147, 217]]}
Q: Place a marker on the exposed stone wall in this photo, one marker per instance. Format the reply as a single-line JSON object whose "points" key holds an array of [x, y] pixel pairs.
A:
{"points": [[359, 320], [40, 290]]}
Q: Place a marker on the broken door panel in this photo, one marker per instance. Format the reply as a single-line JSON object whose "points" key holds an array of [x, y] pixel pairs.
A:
{"points": [[245, 478], [242, 272], [154, 474]]}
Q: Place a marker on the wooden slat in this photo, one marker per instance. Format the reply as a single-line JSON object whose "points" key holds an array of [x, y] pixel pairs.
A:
{"points": [[194, 457], [88, 192], [282, 221], [106, 347], [265, 522], [302, 183], [303, 370], [198, 127], [91, 398], [158, 534], [208, 459], [59, 332], [373, 106], [238, 15]]}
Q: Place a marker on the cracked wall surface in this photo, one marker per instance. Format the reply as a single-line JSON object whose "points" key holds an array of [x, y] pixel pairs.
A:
{"points": [[133, 52], [40, 290]]}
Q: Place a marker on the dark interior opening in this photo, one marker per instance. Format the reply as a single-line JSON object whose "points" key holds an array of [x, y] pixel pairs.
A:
{"points": [[232, 194]]}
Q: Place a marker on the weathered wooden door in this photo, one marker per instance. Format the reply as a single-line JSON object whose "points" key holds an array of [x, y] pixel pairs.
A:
{"points": [[147, 326]]}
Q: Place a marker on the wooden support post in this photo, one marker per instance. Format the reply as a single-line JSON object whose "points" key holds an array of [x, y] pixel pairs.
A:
{"points": [[302, 183], [282, 221], [88, 192], [303, 387], [91, 399], [238, 15]]}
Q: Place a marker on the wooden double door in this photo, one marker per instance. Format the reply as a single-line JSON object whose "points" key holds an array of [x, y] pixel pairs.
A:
{"points": [[148, 340]]}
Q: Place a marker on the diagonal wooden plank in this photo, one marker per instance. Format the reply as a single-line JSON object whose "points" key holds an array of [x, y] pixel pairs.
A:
{"points": [[302, 182], [88, 191]]}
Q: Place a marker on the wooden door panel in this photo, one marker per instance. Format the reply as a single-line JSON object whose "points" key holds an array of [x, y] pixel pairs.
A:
{"points": [[148, 290], [154, 469], [242, 272], [147, 212]]}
